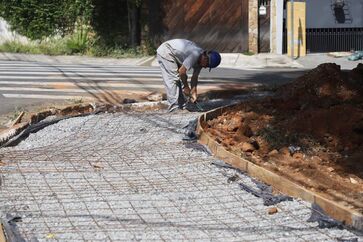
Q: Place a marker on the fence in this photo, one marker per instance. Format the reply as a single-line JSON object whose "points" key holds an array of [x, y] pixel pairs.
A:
{"points": [[334, 39]]}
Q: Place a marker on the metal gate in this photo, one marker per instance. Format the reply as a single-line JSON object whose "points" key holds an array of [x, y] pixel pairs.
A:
{"points": [[334, 39], [264, 25]]}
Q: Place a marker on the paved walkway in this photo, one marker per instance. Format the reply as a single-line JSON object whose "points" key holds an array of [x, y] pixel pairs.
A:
{"points": [[129, 176]]}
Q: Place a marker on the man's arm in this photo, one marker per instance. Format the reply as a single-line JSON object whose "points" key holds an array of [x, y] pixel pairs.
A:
{"points": [[194, 83], [184, 78]]}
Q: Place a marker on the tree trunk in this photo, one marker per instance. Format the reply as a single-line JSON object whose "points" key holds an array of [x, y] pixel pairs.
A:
{"points": [[134, 23]]}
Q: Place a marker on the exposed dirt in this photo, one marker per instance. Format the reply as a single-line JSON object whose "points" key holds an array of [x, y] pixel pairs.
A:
{"points": [[310, 130]]}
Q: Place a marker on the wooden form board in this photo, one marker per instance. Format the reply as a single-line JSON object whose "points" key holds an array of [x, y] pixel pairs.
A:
{"points": [[299, 29], [2, 234], [339, 211]]}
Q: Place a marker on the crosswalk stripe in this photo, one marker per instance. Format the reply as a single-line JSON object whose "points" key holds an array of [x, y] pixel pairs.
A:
{"points": [[110, 73], [71, 81], [88, 90], [121, 67], [56, 87], [62, 64], [76, 78], [138, 82], [36, 96]]}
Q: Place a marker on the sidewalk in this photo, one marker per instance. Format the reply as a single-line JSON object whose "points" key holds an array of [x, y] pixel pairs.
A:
{"points": [[229, 60], [312, 60]]}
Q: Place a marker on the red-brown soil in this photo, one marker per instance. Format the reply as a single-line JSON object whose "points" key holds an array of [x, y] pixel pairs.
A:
{"points": [[310, 130]]}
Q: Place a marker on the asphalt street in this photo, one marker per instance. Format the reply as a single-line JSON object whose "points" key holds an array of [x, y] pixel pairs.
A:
{"points": [[24, 83]]}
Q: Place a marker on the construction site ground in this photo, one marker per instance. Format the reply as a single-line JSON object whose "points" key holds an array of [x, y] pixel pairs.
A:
{"points": [[131, 177], [309, 131]]}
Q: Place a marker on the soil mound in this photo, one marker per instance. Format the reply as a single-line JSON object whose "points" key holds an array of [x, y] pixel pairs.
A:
{"points": [[311, 130], [324, 86]]}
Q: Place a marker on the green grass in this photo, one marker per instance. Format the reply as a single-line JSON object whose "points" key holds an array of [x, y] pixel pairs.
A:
{"points": [[114, 52], [16, 113], [53, 47], [249, 53], [77, 44]]}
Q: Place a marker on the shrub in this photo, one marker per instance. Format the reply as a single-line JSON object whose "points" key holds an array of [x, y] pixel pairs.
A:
{"points": [[38, 19]]}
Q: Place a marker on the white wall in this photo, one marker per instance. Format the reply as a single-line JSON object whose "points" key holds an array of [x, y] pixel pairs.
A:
{"points": [[7, 35], [319, 14]]}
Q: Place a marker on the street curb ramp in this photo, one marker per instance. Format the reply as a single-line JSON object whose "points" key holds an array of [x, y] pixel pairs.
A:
{"points": [[340, 211]]}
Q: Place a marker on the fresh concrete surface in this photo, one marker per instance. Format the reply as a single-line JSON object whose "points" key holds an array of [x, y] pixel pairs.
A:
{"points": [[130, 177]]}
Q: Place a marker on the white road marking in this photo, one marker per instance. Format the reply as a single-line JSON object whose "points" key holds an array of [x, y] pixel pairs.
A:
{"points": [[70, 72], [78, 77], [140, 84], [30, 80], [85, 86], [35, 89], [36, 96]]}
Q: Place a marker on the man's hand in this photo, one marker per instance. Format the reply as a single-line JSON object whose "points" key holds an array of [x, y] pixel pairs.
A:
{"points": [[193, 95], [194, 83], [186, 91]]}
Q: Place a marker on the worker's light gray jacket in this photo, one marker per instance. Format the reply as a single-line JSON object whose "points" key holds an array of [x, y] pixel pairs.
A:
{"points": [[183, 52]]}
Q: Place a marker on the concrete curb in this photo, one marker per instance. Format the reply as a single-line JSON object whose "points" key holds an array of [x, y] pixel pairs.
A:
{"points": [[342, 212]]}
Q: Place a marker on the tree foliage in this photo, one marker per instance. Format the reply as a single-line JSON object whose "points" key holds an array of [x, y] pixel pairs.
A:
{"points": [[113, 22], [38, 19], [109, 21]]}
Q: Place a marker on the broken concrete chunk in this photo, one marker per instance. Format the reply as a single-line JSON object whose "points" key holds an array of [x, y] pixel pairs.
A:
{"points": [[155, 97]]}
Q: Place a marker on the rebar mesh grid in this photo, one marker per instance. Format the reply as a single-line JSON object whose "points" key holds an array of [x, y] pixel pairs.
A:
{"points": [[129, 176]]}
